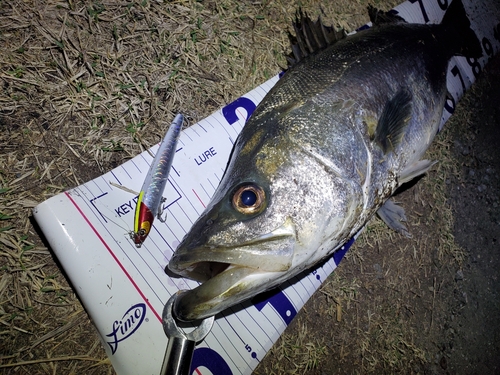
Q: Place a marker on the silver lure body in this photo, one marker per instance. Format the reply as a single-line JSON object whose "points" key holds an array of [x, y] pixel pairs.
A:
{"points": [[156, 179], [150, 197]]}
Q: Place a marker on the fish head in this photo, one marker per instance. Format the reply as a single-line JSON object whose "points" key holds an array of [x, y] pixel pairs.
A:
{"points": [[265, 223]]}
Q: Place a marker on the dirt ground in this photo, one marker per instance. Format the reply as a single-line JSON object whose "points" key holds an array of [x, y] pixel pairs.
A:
{"points": [[86, 85]]}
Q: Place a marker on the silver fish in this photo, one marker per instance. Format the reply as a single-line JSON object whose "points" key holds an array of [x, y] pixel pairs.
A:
{"points": [[321, 154]]}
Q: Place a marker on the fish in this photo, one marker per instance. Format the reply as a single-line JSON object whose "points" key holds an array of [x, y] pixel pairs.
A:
{"points": [[346, 125], [150, 197]]}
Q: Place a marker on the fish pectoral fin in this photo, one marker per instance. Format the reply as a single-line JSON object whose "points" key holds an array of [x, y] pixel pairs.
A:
{"points": [[414, 170], [393, 215], [393, 121]]}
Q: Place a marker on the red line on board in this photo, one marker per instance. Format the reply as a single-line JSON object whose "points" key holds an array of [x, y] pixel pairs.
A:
{"points": [[198, 371], [114, 257], [241, 114], [199, 199]]}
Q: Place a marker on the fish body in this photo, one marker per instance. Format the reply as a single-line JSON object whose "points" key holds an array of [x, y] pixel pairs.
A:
{"points": [[324, 150], [150, 197]]}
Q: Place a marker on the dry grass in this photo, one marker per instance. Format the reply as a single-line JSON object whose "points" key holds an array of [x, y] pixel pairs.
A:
{"points": [[87, 85]]}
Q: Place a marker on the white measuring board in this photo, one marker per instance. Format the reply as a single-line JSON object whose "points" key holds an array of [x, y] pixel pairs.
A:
{"points": [[124, 288]]}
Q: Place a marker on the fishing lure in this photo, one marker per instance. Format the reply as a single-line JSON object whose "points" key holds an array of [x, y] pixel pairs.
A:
{"points": [[150, 199]]}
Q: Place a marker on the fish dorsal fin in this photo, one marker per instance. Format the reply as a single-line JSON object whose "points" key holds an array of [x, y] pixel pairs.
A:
{"points": [[393, 121], [310, 37], [379, 17]]}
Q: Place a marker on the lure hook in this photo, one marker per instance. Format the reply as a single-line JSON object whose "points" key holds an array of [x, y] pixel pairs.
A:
{"points": [[161, 210]]}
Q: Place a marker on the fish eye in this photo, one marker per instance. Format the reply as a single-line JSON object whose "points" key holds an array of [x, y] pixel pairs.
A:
{"points": [[249, 199]]}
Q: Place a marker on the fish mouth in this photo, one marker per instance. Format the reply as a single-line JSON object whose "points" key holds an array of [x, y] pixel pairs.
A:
{"points": [[231, 274]]}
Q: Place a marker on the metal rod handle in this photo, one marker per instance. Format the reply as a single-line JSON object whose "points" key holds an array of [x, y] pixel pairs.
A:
{"points": [[178, 356]]}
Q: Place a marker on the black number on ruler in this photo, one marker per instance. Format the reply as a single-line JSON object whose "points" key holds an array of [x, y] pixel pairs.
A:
{"points": [[456, 72], [488, 48], [474, 64], [450, 104], [443, 4], [422, 8]]}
